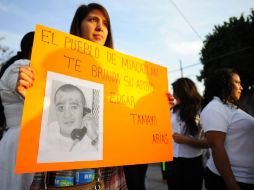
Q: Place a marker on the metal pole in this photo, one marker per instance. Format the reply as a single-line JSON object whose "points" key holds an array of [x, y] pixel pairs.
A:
{"points": [[181, 68]]}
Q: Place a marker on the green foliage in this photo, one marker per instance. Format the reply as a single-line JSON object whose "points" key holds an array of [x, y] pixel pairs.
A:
{"points": [[231, 45]]}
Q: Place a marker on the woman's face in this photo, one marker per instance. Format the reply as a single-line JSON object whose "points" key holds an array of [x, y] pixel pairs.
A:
{"points": [[176, 99], [95, 27], [236, 88]]}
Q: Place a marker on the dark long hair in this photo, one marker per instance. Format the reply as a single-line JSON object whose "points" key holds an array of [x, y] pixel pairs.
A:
{"points": [[81, 14], [190, 103], [219, 84], [25, 53]]}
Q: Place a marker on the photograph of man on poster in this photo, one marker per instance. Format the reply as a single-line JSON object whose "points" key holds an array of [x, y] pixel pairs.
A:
{"points": [[72, 130]]}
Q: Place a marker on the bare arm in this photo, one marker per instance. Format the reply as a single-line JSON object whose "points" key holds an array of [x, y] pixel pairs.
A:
{"points": [[216, 141], [182, 139]]}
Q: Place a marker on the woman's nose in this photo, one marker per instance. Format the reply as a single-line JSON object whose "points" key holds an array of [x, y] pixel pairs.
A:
{"points": [[99, 26]]}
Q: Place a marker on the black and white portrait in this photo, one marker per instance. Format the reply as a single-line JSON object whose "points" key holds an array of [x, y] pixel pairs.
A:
{"points": [[72, 120]]}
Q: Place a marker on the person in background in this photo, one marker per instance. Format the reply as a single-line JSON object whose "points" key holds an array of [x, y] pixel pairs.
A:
{"points": [[186, 169], [229, 132], [12, 104], [90, 22]]}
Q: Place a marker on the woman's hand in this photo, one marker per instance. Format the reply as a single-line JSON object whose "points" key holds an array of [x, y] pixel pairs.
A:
{"points": [[170, 99], [92, 128], [25, 80], [196, 143], [181, 139]]}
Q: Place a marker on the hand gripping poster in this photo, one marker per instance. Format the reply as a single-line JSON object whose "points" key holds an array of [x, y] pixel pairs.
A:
{"points": [[91, 106]]}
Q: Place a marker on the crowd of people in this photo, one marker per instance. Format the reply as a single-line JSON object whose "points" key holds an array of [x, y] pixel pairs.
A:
{"points": [[227, 130], [213, 122]]}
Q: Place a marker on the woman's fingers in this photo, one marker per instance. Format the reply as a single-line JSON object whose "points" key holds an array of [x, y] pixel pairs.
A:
{"points": [[26, 73], [21, 88], [170, 99], [25, 80]]}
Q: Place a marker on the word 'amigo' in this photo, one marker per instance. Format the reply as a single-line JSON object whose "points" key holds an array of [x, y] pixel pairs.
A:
{"points": [[139, 119]]}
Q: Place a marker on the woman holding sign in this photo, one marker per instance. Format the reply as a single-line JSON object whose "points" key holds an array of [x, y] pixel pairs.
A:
{"points": [[90, 22]]}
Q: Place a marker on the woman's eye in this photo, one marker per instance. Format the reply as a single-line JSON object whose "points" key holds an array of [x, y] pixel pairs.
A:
{"points": [[93, 19], [105, 24]]}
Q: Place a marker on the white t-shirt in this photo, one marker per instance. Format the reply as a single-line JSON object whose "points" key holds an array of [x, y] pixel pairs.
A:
{"points": [[239, 141], [183, 150]]}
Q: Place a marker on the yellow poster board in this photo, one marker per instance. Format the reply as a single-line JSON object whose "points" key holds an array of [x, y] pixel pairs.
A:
{"points": [[126, 96]]}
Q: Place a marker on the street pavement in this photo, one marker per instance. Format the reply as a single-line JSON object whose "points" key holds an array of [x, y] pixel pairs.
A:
{"points": [[154, 179]]}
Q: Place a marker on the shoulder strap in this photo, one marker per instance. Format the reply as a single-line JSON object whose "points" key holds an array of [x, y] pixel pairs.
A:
{"points": [[6, 65], [2, 119]]}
